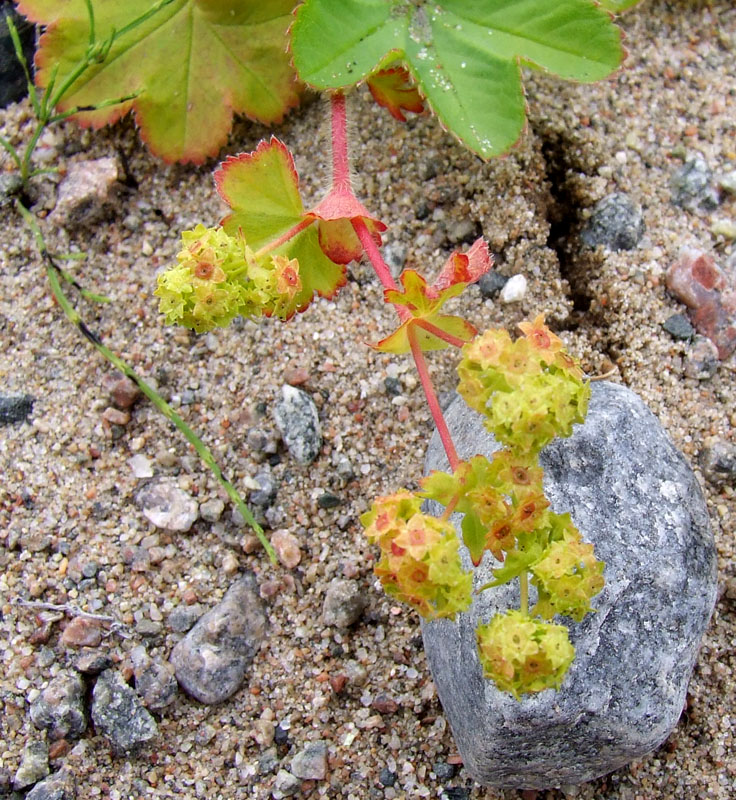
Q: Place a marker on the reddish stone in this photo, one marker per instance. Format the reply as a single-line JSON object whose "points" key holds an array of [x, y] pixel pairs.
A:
{"points": [[123, 391], [385, 704], [82, 632], [337, 682], [696, 280], [296, 376]]}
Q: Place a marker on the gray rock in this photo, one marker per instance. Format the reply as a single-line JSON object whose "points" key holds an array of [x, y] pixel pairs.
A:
{"points": [[182, 618], [212, 659], [88, 193], [167, 506], [395, 256], [15, 408], [119, 715], [310, 764], [491, 283], [701, 361], [154, 681], [636, 499], [344, 603], [267, 490], [297, 418], [285, 785], [692, 186], [678, 326], [34, 765], [10, 185], [59, 786], [211, 511], [616, 223], [718, 462], [60, 707]]}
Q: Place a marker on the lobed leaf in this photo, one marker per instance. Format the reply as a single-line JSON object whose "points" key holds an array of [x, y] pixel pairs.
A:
{"points": [[464, 55], [192, 65], [262, 189]]}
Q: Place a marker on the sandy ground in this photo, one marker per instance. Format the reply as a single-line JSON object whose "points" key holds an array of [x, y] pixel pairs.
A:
{"points": [[67, 494]]}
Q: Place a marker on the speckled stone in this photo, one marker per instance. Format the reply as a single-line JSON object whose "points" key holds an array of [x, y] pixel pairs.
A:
{"points": [[297, 418], [60, 708], [634, 496], [212, 659], [616, 223], [119, 715]]}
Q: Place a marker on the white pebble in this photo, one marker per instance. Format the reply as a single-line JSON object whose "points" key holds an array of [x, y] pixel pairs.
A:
{"points": [[141, 466], [514, 289]]}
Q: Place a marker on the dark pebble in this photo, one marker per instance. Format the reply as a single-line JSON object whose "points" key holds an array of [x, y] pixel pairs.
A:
{"points": [[457, 793], [13, 84], [393, 387], [328, 500], [692, 186], [444, 771], [491, 283], [15, 408], [387, 778], [280, 736], [266, 494], [678, 326], [616, 223]]}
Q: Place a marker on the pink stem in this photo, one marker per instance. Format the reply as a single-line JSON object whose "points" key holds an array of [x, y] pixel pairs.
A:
{"points": [[340, 157], [290, 234], [432, 401], [341, 180]]}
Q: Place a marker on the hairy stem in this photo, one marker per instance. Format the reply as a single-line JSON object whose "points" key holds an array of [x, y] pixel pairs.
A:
{"points": [[340, 155], [432, 401], [53, 272]]}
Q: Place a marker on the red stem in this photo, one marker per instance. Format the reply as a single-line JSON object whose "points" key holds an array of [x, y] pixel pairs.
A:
{"points": [[340, 156], [432, 401], [341, 179]]}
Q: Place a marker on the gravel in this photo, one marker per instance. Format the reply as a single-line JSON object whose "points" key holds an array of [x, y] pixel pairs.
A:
{"points": [[68, 482]]}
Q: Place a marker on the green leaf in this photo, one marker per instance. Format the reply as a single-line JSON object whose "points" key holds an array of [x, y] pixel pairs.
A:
{"points": [[262, 189], [464, 55], [474, 536], [192, 65]]}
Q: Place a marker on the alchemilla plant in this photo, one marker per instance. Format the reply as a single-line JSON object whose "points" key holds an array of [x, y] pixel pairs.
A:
{"points": [[271, 256]]}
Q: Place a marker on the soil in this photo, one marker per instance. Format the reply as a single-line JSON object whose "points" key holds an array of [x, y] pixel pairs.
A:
{"points": [[68, 491]]}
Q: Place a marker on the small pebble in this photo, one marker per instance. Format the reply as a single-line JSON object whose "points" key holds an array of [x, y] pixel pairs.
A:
{"points": [[118, 714], [393, 386], [311, 762], [212, 659], [385, 704], [211, 511], [727, 182], [678, 326], [92, 663], [287, 548], [387, 778], [328, 500], [82, 632], [183, 617], [140, 466], [88, 193], [266, 492], [718, 463], [122, 390], [344, 603], [59, 786], [491, 283], [285, 785], [692, 186], [616, 223], [701, 360], [15, 408], [154, 680], [514, 289], [34, 765], [298, 420], [167, 506], [444, 771], [60, 708]]}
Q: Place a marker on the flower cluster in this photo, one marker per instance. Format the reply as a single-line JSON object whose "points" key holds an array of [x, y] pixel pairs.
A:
{"points": [[420, 563], [218, 277], [530, 390], [521, 654]]}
